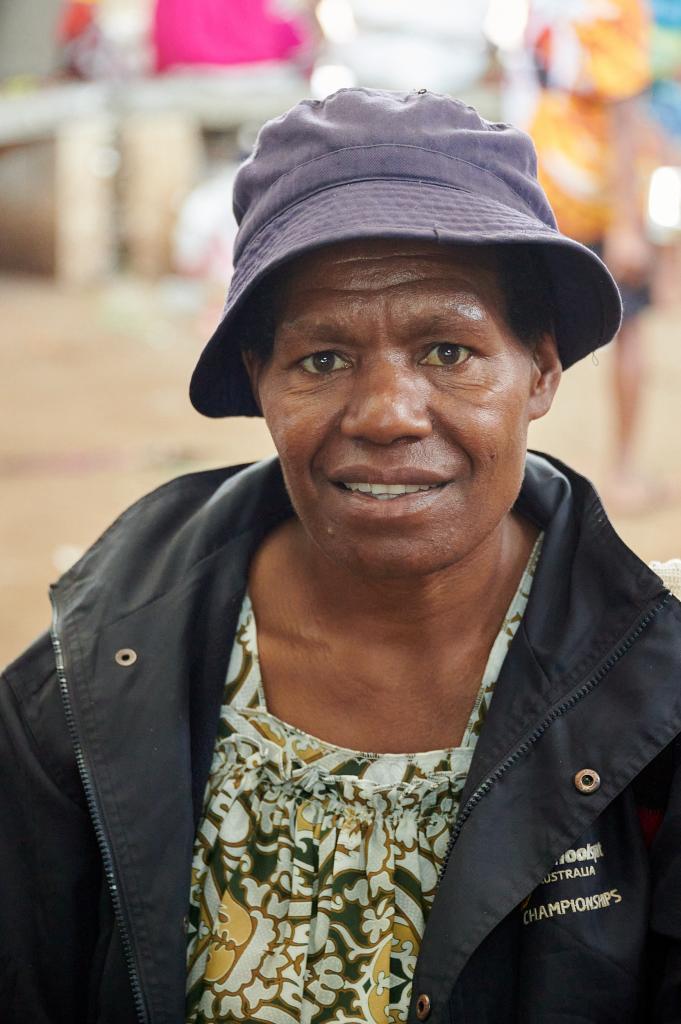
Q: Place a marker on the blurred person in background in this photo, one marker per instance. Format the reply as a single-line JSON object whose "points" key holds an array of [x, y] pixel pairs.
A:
{"points": [[380, 729], [592, 60], [190, 33]]}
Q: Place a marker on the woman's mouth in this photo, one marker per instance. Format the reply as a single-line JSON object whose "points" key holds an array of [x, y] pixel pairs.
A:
{"points": [[385, 491]]}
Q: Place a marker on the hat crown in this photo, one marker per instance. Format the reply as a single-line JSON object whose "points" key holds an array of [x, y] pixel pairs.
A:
{"points": [[363, 133]]}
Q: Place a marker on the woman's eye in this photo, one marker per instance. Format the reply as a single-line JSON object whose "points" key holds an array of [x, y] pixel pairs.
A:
{"points": [[324, 362], [446, 354]]}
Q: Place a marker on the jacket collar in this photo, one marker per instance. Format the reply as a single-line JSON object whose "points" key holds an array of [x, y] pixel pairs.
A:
{"points": [[196, 521], [588, 590]]}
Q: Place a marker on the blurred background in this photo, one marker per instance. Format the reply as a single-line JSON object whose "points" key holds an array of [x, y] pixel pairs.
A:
{"points": [[122, 124]]}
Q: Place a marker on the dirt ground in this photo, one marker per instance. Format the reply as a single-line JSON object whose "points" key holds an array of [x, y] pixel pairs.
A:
{"points": [[95, 414]]}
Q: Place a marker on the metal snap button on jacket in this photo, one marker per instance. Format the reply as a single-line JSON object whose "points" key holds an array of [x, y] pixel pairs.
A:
{"points": [[587, 780], [423, 1007], [126, 656]]}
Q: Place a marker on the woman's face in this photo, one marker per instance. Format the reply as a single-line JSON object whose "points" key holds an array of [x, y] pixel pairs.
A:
{"points": [[399, 400]]}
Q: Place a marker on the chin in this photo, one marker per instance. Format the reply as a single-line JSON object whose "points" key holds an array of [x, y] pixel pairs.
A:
{"points": [[391, 560]]}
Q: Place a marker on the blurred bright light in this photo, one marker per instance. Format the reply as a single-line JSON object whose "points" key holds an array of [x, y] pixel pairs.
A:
{"points": [[327, 78], [337, 20], [505, 23], [664, 198]]}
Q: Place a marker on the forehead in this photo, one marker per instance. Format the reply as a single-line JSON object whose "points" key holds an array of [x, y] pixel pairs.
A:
{"points": [[375, 266]]}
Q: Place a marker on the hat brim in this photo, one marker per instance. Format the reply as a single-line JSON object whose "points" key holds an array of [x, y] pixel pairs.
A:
{"points": [[587, 302]]}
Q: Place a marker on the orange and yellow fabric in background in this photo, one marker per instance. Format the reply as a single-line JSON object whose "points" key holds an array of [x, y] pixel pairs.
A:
{"points": [[588, 54]]}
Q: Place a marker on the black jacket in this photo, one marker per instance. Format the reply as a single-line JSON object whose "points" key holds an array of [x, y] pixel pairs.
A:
{"points": [[104, 758]]}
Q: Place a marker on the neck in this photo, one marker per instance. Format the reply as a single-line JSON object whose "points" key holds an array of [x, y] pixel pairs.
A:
{"points": [[468, 597]]}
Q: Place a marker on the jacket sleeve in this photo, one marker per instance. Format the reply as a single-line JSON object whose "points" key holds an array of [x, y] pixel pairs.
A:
{"points": [[50, 875], [665, 919], [665, 946]]}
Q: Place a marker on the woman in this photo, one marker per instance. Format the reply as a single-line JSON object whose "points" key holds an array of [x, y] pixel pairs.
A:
{"points": [[593, 65], [369, 732]]}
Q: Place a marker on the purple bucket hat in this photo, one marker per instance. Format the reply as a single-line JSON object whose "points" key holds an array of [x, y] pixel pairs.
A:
{"points": [[366, 163]]}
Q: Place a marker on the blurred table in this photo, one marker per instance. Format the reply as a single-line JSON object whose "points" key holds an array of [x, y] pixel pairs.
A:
{"points": [[220, 100]]}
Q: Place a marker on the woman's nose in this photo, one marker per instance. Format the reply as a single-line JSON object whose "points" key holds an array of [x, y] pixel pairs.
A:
{"points": [[388, 403]]}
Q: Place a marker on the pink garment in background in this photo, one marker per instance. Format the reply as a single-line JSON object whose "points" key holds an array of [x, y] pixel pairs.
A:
{"points": [[190, 32]]}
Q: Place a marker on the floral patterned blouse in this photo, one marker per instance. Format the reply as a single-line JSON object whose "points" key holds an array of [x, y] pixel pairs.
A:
{"points": [[315, 866]]}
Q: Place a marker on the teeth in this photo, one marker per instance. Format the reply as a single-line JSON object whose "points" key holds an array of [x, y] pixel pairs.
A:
{"points": [[384, 492]]}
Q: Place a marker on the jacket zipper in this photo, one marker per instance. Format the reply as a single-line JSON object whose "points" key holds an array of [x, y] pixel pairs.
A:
{"points": [[555, 713], [96, 818]]}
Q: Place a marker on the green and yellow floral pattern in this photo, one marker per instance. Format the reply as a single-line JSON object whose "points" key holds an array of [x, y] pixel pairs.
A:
{"points": [[315, 866]]}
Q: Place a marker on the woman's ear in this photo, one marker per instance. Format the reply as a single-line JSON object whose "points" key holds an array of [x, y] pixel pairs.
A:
{"points": [[253, 367], [546, 373]]}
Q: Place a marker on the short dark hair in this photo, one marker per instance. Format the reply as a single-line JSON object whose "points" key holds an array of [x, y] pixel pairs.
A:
{"points": [[257, 322], [530, 306], [525, 281]]}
